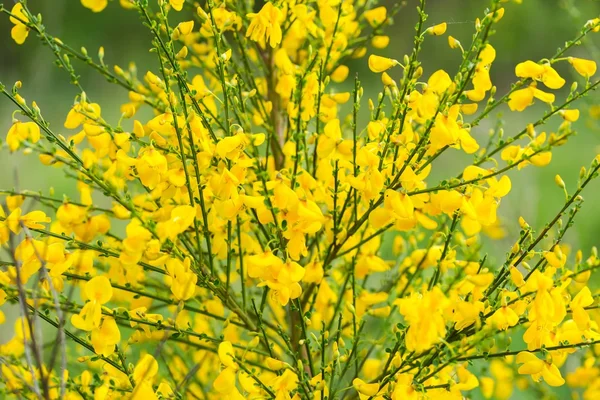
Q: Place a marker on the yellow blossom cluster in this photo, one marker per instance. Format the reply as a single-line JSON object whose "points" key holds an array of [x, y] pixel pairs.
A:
{"points": [[249, 228]]}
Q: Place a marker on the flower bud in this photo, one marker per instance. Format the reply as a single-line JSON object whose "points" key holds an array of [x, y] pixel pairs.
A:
{"points": [[559, 182], [515, 249], [418, 72], [453, 43], [182, 53], [523, 224]]}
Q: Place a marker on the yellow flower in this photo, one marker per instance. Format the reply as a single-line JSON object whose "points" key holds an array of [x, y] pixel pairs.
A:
{"points": [[580, 301], [32, 220], [145, 369], [370, 263], [551, 78], [500, 13], [144, 391], [331, 143], [468, 109], [275, 364], [231, 147], [376, 16], [439, 82], [387, 80], [585, 68], [521, 99], [466, 379], [453, 43], [177, 4], [282, 278], [365, 389], [404, 389], [181, 218], [379, 64], [20, 31], [340, 74], [423, 312], [106, 337], [540, 72], [127, 4], [225, 382], [382, 312], [569, 115], [183, 29], [265, 25], [517, 277], [380, 41], [135, 243], [539, 369], [98, 291], [595, 23], [438, 29], [529, 69], [226, 354], [313, 272], [95, 5], [183, 280], [248, 384], [504, 318]]}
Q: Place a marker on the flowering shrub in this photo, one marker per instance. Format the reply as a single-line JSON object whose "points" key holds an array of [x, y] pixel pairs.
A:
{"points": [[252, 240]]}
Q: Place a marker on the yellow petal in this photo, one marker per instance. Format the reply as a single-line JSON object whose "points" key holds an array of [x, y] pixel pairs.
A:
{"points": [[376, 16], [366, 389], [585, 68], [552, 376], [541, 159], [95, 5], [146, 368], [380, 41], [98, 289], [543, 96], [185, 28], [19, 33], [17, 10], [177, 4], [551, 78], [274, 364], [570, 115], [439, 81], [468, 109], [473, 172], [225, 382], [226, 354], [379, 64], [340, 74], [529, 69], [438, 29], [520, 99]]}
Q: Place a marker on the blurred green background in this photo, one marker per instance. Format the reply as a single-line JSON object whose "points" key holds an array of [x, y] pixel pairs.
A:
{"points": [[532, 30]]}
